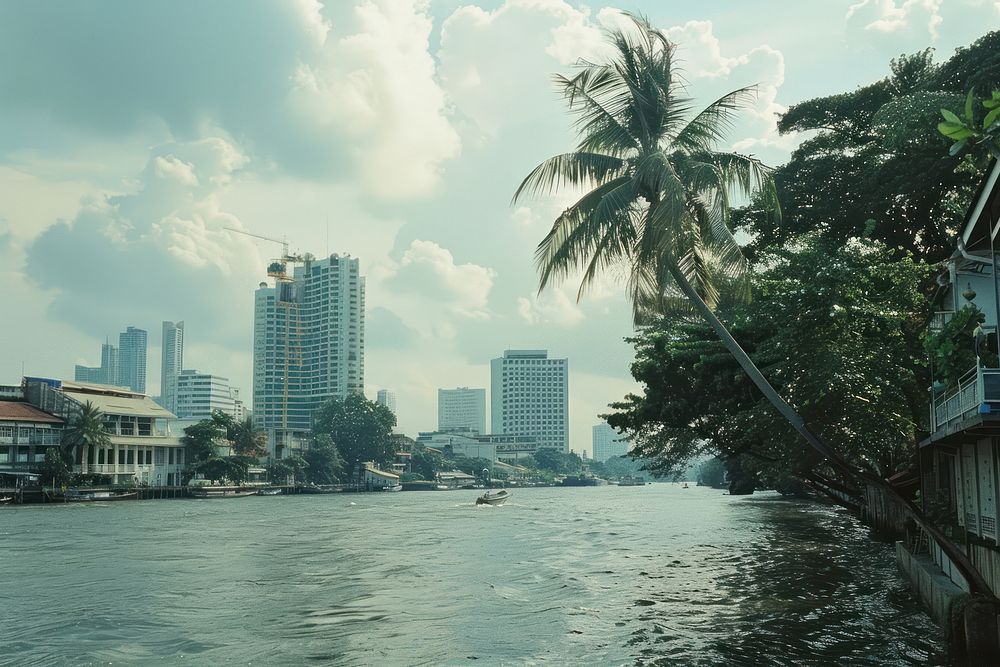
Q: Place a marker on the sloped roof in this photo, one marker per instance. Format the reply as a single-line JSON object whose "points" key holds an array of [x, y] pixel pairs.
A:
{"points": [[25, 412], [983, 213], [121, 403]]}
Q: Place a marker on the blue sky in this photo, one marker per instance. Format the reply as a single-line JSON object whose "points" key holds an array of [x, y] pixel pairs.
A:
{"points": [[132, 133]]}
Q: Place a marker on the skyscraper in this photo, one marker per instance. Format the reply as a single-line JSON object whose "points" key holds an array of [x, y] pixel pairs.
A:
{"points": [[309, 336], [387, 398], [607, 443], [106, 373], [461, 409], [132, 359], [530, 396], [171, 363]]}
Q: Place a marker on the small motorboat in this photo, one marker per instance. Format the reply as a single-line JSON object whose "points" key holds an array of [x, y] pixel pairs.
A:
{"points": [[220, 492], [6, 499], [493, 497], [269, 492], [397, 487]]}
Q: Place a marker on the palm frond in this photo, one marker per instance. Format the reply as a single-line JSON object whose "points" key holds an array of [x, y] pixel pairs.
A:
{"points": [[713, 123], [569, 169]]}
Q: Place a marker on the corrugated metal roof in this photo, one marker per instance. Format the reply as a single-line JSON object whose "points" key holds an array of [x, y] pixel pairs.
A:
{"points": [[24, 412], [132, 405]]}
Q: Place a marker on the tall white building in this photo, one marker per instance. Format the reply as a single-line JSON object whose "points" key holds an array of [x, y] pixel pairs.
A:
{"points": [[132, 359], [386, 398], [462, 409], [309, 344], [198, 395], [171, 363], [607, 443], [530, 397]]}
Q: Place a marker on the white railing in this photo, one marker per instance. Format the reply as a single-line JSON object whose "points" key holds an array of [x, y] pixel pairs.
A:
{"points": [[940, 318], [977, 387]]}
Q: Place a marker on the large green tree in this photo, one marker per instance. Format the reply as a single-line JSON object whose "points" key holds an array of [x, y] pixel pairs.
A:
{"points": [[838, 329], [361, 429], [873, 164], [201, 440]]}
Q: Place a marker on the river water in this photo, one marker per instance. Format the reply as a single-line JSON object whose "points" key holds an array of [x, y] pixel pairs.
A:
{"points": [[580, 576]]}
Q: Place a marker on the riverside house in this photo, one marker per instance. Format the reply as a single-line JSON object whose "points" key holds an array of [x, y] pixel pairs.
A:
{"points": [[960, 459], [26, 433], [142, 449]]}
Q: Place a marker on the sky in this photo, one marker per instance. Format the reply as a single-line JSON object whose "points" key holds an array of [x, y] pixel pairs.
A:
{"points": [[132, 134]]}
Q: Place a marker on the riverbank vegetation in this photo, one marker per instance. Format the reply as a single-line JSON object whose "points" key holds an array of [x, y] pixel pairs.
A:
{"points": [[830, 296]]}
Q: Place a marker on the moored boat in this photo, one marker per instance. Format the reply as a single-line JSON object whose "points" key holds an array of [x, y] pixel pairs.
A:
{"points": [[6, 499], [397, 487], [75, 496], [493, 497], [269, 492], [220, 492]]}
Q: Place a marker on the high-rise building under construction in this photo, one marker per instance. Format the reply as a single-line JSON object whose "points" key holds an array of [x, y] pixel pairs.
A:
{"points": [[309, 343]]}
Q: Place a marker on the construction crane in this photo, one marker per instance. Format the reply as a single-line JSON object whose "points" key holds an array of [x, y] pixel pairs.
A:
{"points": [[291, 332], [277, 268]]}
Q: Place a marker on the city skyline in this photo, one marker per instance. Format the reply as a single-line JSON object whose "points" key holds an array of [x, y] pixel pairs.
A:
{"points": [[414, 174]]}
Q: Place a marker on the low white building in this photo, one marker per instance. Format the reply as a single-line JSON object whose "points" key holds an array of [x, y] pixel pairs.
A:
{"points": [[141, 448], [198, 395]]}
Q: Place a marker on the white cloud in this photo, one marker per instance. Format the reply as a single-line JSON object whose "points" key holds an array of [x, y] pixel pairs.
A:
{"points": [[553, 306], [378, 86], [907, 19], [429, 271], [536, 37], [158, 252]]}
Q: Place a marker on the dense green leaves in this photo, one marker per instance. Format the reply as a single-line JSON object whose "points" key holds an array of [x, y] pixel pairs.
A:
{"points": [[360, 429], [836, 330]]}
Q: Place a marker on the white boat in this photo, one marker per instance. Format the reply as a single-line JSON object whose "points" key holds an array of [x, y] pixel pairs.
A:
{"points": [[6, 499], [74, 496], [269, 492], [220, 492], [398, 487], [493, 497]]}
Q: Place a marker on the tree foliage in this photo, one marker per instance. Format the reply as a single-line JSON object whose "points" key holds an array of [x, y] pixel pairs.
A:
{"points": [[837, 330], [360, 429], [874, 166], [323, 462]]}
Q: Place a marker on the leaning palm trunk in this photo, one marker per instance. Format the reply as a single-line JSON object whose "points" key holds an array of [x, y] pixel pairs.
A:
{"points": [[961, 560]]}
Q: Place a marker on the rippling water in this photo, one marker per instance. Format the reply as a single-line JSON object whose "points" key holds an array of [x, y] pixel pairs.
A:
{"points": [[609, 575]]}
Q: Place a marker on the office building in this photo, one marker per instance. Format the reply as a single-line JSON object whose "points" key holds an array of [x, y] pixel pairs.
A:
{"points": [[308, 344], [106, 373], [132, 359], [200, 394], [171, 363], [530, 397], [387, 398], [607, 443], [462, 409]]}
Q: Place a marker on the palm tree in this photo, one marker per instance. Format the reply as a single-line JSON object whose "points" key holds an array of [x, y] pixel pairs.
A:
{"points": [[656, 205], [85, 429]]}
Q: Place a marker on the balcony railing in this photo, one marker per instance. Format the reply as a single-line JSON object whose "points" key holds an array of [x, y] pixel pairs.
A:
{"points": [[979, 387], [940, 318]]}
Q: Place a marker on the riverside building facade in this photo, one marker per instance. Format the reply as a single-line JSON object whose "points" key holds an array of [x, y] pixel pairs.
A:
{"points": [[308, 344], [462, 409], [141, 449], [198, 395], [530, 397]]}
